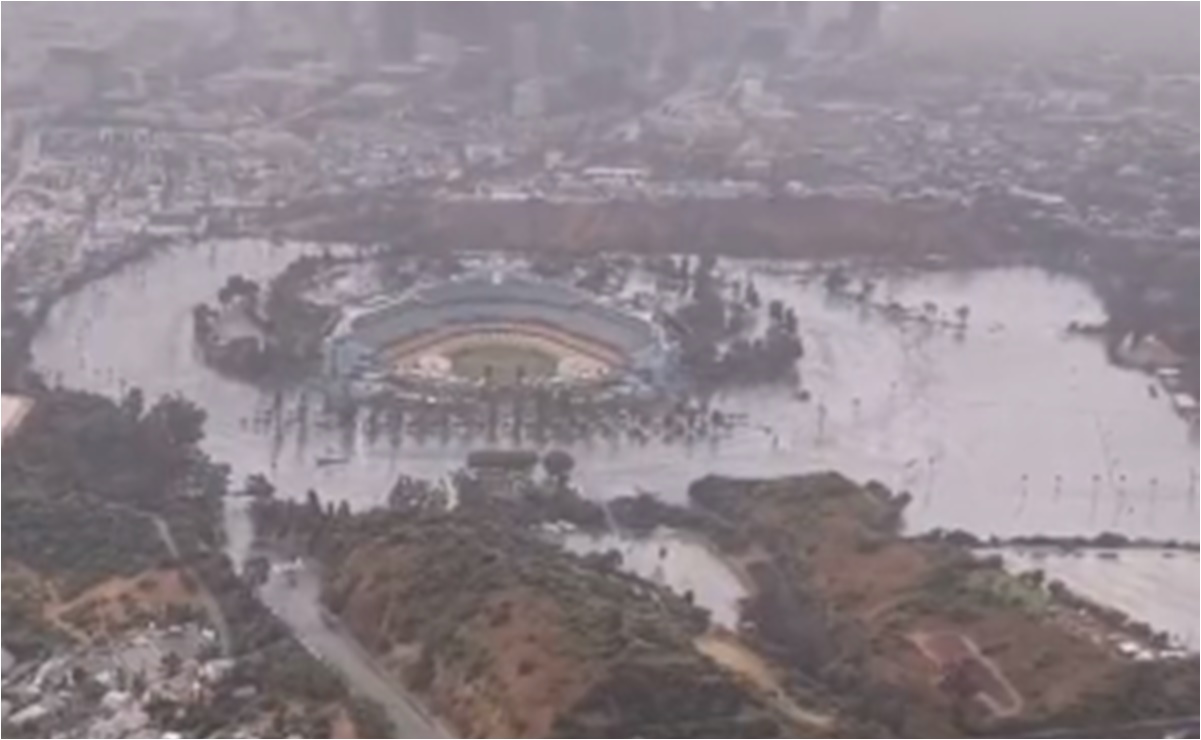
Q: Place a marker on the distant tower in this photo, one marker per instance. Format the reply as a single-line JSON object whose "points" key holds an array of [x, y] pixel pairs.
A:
{"points": [[556, 44], [863, 22], [655, 31], [605, 29], [334, 26], [796, 16], [74, 74], [398, 24], [525, 48]]}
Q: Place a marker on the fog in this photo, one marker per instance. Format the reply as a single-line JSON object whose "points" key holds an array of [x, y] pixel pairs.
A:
{"points": [[945, 248], [1156, 29]]}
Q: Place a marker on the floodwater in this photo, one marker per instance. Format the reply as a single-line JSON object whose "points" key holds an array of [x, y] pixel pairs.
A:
{"points": [[1158, 587], [1008, 427], [677, 561]]}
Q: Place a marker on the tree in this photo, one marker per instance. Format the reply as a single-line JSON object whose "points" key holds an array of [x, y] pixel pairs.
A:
{"points": [[203, 318], [837, 280], [790, 321], [133, 404], [1036, 578], [558, 464], [239, 287], [172, 664], [211, 479], [775, 310], [175, 421], [752, 295], [258, 487]]}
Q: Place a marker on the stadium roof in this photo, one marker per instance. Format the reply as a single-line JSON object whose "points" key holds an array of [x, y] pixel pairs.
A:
{"points": [[502, 297]]}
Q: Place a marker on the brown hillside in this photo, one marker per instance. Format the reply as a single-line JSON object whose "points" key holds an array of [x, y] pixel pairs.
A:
{"points": [[507, 636]]}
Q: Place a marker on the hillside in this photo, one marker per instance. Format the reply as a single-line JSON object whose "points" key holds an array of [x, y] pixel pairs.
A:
{"points": [[924, 637], [508, 636]]}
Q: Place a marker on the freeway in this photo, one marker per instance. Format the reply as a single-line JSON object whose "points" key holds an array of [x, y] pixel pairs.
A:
{"points": [[295, 598]]}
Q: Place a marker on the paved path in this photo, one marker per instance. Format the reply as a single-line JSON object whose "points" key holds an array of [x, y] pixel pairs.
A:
{"points": [[211, 606], [295, 599]]}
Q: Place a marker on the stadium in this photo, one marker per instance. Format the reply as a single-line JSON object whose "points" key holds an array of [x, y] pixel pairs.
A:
{"points": [[496, 329]]}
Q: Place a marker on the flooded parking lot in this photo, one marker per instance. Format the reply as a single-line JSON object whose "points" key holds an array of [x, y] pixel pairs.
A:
{"points": [[675, 560], [1006, 427]]}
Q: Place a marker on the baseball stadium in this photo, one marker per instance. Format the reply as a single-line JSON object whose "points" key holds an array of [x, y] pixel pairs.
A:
{"points": [[499, 329]]}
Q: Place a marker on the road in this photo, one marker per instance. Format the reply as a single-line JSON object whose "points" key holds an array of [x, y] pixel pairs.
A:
{"points": [[296, 601], [1171, 727], [211, 606]]}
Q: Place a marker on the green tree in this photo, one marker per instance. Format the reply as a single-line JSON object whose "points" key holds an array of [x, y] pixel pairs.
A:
{"points": [[175, 422], [313, 501], [258, 487], [558, 465], [133, 403]]}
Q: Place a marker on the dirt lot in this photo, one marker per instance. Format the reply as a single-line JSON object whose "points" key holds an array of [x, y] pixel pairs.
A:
{"points": [[104, 609], [118, 603]]}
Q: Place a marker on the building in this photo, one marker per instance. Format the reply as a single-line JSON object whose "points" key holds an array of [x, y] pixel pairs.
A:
{"points": [[176, 224], [529, 99], [605, 29], [525, 56], [496, 328], [863, 21], [438, 49], [74, 75], [397, 27]]}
